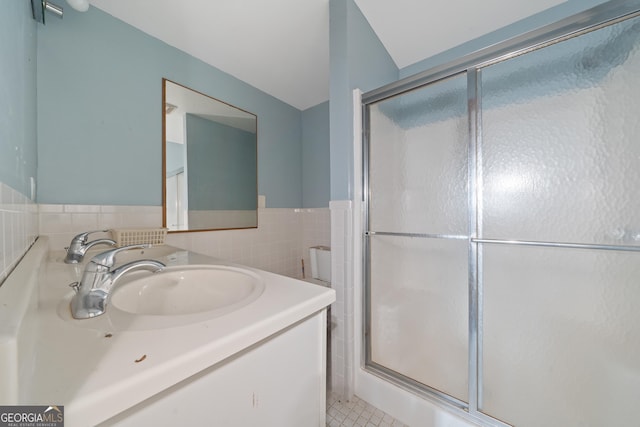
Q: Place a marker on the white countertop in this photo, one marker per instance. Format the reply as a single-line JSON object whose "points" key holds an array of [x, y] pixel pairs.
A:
{"points": [[99, 367]]}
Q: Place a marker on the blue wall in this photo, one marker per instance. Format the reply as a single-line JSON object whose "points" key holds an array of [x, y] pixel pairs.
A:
{"points": [[358, 60], [18, 158], [99, 114], [221, 166], [99, 97], [315, 156]]}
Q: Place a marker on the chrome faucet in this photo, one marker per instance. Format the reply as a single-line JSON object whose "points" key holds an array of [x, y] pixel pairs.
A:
{"points": [[79, 246], [94, 289]]}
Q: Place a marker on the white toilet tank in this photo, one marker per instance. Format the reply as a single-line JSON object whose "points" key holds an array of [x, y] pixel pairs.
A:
{"points": [[320, 263]]}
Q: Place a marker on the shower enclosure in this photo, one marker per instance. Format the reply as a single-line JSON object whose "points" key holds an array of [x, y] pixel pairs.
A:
{"points": [[502, 227]]}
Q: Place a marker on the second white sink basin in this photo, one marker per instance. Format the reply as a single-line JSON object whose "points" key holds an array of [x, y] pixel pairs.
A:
{"points": [[182, 290]]}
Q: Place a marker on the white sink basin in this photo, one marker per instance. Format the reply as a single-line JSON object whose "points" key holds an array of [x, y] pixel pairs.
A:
{"points": [[183, 290]]}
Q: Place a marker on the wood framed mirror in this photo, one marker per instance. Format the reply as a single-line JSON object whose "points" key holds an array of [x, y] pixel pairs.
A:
{"points": [[209, 162]]}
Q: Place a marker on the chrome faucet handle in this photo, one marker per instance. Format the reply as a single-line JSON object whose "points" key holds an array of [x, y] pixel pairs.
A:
{"points": [[79, 246], [94, 290], [83, 237], [108, 258]]}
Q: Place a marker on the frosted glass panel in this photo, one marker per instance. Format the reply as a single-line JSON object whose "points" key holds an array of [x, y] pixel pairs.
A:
{"points": [[419, 320], [418, 160], [561, 158], [561, 336]]}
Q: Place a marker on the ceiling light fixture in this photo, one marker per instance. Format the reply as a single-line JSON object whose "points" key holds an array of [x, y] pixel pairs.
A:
{"points": [[39, 7], [169, 108], [79, 5]]}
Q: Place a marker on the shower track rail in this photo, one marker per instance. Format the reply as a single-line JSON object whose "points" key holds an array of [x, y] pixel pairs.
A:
{"points": [[565, 245]]}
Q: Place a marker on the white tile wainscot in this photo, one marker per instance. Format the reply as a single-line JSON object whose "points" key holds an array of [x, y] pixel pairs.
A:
{"points": [[278, 245], [342, 337], [18, 227], [262, 364]]}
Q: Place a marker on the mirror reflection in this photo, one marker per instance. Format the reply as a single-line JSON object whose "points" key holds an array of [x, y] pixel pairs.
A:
{"points": [[209, 162]]}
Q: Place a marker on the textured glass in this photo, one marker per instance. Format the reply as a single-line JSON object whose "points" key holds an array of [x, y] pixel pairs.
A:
{"points": [[561, 336], [561, 158], [419, 324], [418, 160]]}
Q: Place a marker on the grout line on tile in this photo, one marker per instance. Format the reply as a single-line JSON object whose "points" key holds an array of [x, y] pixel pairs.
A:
{"points": [[357, 413]]}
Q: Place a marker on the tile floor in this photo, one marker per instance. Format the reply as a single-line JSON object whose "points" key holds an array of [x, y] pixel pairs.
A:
{"points": [[357, 413]]}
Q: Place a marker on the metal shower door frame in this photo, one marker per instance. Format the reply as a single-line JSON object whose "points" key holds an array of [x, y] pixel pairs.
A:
{"points": [[590, 20]]}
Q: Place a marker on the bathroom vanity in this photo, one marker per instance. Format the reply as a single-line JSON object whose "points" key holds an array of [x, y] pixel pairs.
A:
{"points": [[256, 360]]}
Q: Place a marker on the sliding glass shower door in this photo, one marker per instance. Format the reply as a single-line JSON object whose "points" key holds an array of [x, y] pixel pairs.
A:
{"points": [[560, 194], [502, 231], [418, 239]]}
